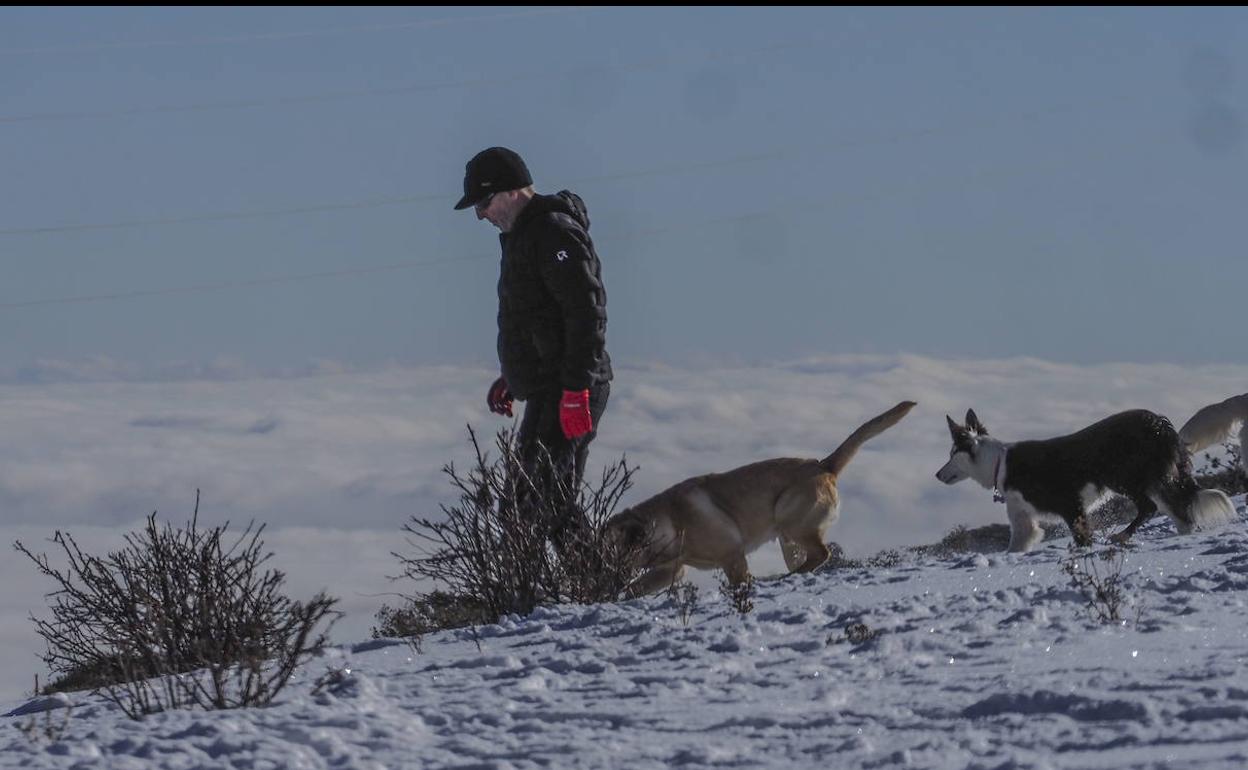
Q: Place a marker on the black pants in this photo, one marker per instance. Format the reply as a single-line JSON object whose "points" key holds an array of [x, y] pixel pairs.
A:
{"points": [[541, 432]]}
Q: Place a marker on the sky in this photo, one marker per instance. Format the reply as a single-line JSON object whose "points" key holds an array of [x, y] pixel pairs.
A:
{"points": [[234, 264], [972, 661], [271, 188]]}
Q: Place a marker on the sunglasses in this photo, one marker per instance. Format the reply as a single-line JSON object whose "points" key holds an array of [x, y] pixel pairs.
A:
{"points": [[485, 202]]}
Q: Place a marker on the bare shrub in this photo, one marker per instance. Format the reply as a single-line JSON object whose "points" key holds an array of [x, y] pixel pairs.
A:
{"points": [[739, 595], [684, 596], [1097, 575], [989, 538], [855, 633], [430, 612], [517, 538], [885, 559], [1225, 473], [859, 633], [177, 618], [1114, 513], [50, 730]]}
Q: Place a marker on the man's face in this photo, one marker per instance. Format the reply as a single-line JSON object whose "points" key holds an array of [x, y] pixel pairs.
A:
{"points": [[495, 208]]}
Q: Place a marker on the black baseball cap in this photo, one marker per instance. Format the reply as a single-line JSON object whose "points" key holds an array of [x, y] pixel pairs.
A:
{"points": [[496, 169]]}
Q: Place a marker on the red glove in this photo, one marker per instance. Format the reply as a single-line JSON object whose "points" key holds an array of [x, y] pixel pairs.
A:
{"points": [[574, 413], [499, 398]]}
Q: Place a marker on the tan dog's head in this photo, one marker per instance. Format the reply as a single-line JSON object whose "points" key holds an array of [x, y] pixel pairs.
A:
{"points": [[628, 535], [644, 535]]}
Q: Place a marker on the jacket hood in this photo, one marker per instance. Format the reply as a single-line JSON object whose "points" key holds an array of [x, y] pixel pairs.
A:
{"points": [[562, 202]]}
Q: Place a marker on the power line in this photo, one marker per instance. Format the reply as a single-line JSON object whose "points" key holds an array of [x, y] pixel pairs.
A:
{"points": [[669, 170], [271, 36], [206, 287], [370, 203], [982, 175], [225, 216]]}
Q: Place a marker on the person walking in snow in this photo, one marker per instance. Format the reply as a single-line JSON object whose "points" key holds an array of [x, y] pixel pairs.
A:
{"points": [[552, 312]]}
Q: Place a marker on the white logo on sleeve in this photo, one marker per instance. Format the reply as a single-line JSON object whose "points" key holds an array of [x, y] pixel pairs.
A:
{"points": [[561, 255]]}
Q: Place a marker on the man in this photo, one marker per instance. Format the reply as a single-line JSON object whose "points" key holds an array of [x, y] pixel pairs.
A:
{"points": [[552, 312]]}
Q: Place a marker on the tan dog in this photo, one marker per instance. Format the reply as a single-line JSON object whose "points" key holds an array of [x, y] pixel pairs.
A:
{"points": [[715, 520]]}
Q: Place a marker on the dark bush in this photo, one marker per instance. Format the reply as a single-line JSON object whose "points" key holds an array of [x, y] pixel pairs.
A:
{"points": [[427, 613], [1224, 473], [516, 539], [177, 618]]}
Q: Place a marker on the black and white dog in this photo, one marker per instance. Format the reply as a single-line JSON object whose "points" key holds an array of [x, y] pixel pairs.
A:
{"points": [[1137, 454]]}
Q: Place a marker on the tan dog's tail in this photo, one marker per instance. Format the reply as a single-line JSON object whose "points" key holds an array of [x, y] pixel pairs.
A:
{"points": [[836, 462]]}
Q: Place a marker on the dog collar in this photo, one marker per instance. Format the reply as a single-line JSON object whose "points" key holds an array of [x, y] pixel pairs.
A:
{"points": [[998, 479]]}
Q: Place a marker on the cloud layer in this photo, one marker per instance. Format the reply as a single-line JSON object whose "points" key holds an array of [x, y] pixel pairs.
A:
{"points": [[336, 462]]}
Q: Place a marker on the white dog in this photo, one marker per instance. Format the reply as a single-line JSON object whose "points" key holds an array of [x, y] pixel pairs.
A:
{"points": [[1214, 423]]}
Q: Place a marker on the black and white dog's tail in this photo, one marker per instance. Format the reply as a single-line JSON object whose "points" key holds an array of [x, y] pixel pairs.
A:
{"points": [[1214, 423], [1210, 508]]}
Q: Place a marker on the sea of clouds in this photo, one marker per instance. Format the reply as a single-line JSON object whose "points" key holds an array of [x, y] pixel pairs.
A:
{"points": [[335, 461]]}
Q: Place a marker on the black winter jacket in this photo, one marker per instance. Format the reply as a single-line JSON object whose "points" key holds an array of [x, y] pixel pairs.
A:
{"points": [[552, 308]]}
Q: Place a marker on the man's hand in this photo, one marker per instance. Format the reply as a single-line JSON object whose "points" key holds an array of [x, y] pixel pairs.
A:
{"points": [[499, 398], [574, 415]]}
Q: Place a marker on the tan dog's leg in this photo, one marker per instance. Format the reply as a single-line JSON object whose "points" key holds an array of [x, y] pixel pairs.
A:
{"points": [[737, 570], [794, 554], [817, 553], [803, 514]]}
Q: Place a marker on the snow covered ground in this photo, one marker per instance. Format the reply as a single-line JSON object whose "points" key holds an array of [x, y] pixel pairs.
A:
{"points": [[978, 661]]}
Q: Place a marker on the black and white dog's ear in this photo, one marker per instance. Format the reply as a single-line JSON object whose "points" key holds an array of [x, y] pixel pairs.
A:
{"points": [[973, 423], [953, 426]]}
